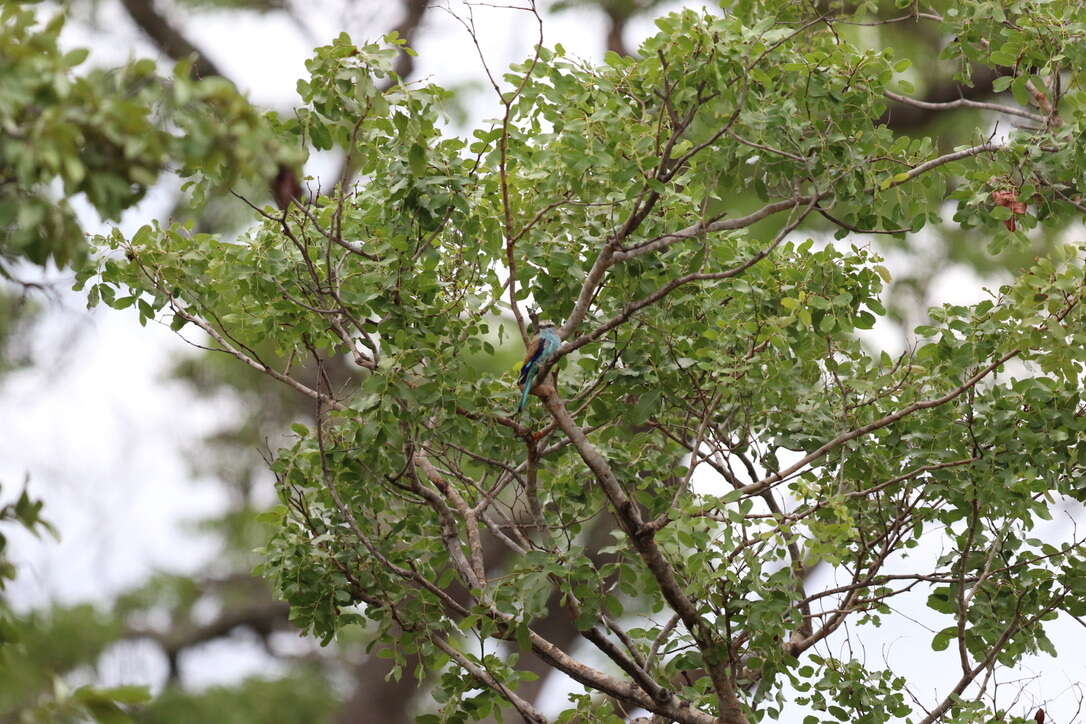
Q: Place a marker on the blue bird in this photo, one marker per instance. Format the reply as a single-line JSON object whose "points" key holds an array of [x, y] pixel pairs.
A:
{"points": [[540, 350]]}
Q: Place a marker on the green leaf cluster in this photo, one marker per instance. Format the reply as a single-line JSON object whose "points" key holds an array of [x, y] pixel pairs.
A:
{"points": [[107, 135]]}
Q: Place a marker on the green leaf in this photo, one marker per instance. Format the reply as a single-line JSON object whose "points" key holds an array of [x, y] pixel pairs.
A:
{"points": [[127, 694], [75, 57], [646, 405], [417, 160], [1020, 91], [524, 640], [942, 640]]}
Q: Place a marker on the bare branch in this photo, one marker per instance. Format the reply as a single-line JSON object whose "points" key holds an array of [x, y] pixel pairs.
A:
{"points": [[529, 712], [168, 39], [643, 541], [965, 103]]}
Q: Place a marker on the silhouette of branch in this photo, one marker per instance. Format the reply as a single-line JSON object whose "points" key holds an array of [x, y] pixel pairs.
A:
{"points": [[910, 117], [169, 39]]}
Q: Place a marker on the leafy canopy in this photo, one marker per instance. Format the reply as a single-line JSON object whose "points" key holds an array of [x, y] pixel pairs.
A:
{"points": [[648, 206], [107, 136]]}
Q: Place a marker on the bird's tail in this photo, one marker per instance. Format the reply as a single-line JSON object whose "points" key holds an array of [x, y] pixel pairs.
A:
{"points": [[529, 383]]}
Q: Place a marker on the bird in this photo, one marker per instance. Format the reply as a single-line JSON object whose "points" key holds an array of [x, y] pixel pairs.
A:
{"points": [[540, 351]]}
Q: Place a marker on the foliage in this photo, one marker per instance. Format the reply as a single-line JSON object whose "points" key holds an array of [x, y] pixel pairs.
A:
{"points": [[36, 649], [698, 336], [304, 696], [25, 511], [107, 136]]}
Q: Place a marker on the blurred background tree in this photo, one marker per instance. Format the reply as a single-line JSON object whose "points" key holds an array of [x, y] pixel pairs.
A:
{"points": [[82, 147]]}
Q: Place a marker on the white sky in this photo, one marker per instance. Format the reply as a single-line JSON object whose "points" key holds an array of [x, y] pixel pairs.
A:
{"points": [[104, 435]]}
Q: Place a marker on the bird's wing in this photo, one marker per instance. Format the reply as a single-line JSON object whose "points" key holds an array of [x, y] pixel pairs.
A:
{"points": [[535, 347]]}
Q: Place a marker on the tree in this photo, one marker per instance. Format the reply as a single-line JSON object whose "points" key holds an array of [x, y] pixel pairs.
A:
{"points": [[700, 339], [121, 130], [106, 136], [155, 125]]}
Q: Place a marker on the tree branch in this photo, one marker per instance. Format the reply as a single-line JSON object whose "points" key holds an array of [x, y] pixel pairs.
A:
{"points": [[644, 542], [168, 39], [901, 117]]}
